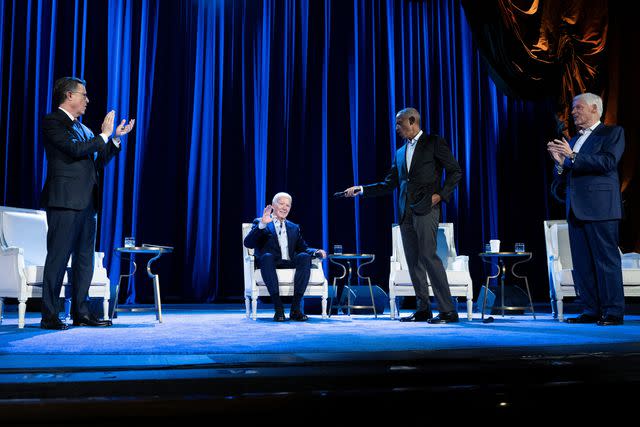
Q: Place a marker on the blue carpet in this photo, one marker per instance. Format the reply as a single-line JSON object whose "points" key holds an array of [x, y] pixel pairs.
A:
{"points": [[229, 332]]}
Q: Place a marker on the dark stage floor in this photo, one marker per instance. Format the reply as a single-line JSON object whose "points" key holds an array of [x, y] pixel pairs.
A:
{"points": [[520, 370]]}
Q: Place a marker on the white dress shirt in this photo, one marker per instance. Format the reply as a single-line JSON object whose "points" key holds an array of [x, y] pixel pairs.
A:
{"points": [[584, 134], [281, 230], [411, 147]]}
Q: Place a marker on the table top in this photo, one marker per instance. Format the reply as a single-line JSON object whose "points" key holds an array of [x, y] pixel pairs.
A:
{"points": [[504, 254], [146, 249], [351, 256]]}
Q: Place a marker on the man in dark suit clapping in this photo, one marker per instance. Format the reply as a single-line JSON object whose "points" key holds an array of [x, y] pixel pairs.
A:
{"points": [[278, 243], [417, 172], [587, 167], [71, 198]]}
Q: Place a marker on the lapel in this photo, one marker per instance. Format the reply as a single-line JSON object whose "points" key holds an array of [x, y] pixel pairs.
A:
{"points": [[401, 161], [272, 229], [290, 237], [76, 128], [62, 116], [592, 139], [419, 149]]}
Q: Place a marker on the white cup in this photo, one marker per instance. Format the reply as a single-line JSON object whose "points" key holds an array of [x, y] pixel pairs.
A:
{"points": [[495, 245]]}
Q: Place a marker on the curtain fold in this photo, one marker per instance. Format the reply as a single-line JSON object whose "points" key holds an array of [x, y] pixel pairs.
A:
{"points": [[235, 101]]}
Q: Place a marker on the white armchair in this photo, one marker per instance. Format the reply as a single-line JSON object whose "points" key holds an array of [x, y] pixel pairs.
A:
{"points": [[254, 286], [457, 269], [23, 250], [560, 267]]}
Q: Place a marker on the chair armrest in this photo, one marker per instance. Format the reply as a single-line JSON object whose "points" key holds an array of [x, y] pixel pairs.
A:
{"points": [[318, 263], [460, 263], [12, 268], [631, 260], [11, 251], [98, 259]]}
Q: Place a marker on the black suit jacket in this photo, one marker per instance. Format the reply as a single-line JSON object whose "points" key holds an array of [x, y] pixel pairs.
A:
{"points": [[75, 158], [430, 157], [265, 240]]}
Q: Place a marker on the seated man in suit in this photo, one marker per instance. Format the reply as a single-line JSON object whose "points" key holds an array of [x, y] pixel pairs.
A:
{"points": [[278, 243]]}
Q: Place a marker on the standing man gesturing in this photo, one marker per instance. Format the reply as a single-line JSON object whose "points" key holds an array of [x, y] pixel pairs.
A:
{"points": [[417, 172], [72, 198]]}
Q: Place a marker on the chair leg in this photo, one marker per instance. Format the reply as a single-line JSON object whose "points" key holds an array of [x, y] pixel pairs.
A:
{"points": [[247, 306], [1, 309], [469, 309], [554, 307], [67, 309], [392, 307], [324, 307], [105, 309], [22, 311], [560, 311], [254, 307]]}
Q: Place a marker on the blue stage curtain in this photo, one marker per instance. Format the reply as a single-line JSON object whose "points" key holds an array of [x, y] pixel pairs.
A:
{"points": [[236, 101]]}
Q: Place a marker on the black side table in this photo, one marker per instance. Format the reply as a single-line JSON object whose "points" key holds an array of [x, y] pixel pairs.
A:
{"points": [[490, 258], [347, 258], [144, 249]]}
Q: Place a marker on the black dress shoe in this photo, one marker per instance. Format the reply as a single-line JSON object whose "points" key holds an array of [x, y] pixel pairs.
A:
{"points": [[447, 317], [583, 318], [279, 316], [418, 316], [55, 324], [298, 316], [91, 321], [610, 321]]}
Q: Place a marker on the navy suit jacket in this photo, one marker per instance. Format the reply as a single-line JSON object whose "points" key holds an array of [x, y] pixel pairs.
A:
{"points": [[265, 240], [75, 158], [417, 185], [592, 183]]}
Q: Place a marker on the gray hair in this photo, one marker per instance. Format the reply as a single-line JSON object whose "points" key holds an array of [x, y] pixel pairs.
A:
{"points": [[409, 112], [591, 99], [281, 194]]}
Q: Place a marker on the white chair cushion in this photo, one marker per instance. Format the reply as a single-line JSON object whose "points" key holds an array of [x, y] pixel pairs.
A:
{"points": [[27, 231], [566, 277], [285, 275], [631, 277], [460, 278], [33, 275]]}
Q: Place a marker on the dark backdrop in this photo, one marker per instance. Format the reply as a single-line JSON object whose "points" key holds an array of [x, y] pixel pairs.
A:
{"points": [[236, 101]]}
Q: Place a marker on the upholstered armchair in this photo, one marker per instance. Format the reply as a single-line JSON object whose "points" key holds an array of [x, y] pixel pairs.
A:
{"points": [[457, 269], [254, 286], [23, 250], [560, 267]]}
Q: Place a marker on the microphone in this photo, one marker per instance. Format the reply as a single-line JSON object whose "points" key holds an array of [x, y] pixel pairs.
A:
{"points": [[343, 194]]}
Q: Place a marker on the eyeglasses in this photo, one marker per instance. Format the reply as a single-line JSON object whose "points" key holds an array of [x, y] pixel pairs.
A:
{"points": [[83, 94]]}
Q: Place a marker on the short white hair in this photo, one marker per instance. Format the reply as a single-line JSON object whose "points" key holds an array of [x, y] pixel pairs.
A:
{"points": [[281, 194], [591, 99]]}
